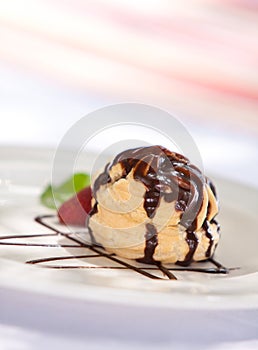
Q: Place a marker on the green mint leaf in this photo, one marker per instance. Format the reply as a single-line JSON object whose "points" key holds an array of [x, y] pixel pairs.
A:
{"points": [[53, 196]]}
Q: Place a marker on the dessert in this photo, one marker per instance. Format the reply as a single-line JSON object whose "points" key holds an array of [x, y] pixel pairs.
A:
{"points": [[154, 206]]}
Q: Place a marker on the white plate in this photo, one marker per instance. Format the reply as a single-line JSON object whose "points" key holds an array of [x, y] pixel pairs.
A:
{"points": [[24, 172]]}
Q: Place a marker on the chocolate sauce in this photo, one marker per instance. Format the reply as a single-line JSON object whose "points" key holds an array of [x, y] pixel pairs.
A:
{"points": [[27, 244], [93, 211], [206, 227], [95, 249], [99, 252], [192, 241], [212, 187], [150, 245], [56, 258], [167, 175], [166, 271], [102, 179], [38, 245]]}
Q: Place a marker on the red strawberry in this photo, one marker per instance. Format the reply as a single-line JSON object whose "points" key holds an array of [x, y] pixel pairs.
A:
{"points": [[75, 210]]}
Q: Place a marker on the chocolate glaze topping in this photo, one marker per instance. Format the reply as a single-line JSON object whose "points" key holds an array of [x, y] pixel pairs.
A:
{"points": [[167, 175]]}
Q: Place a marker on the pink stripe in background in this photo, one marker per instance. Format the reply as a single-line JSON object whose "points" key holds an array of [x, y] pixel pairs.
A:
{"points": [[202, 52]]}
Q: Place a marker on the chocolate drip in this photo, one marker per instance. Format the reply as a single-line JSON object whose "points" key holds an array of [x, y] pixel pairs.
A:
{"points": [[214, 221], [102, 179], [207, 229], [93, 211], [192, 241], [150, 245], [145, 171], [213, 190], [212, 187], [151, 202]]}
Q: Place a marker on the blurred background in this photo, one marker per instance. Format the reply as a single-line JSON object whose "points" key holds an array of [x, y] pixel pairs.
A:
{"points": [[197, 59]]}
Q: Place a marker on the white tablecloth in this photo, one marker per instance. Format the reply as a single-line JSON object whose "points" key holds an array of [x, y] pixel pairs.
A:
{"points": [[30, 321]]}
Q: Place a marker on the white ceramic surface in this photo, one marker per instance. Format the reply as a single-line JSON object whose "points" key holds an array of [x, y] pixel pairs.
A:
{"points": [[23, 174]]}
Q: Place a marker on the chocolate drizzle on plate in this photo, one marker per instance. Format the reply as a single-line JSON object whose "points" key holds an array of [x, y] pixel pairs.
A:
{"points": [[92, 251]]}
